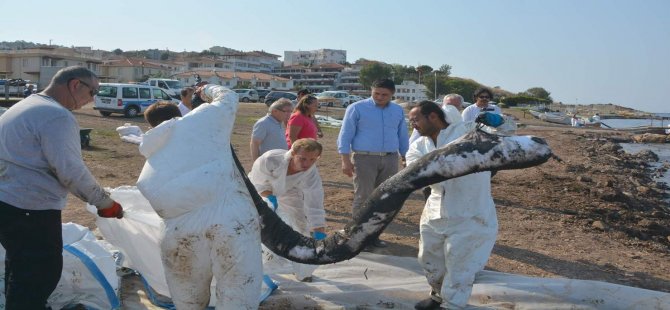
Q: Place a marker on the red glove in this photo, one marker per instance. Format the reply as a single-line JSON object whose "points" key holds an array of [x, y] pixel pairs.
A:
{"points": [[114, 211]]}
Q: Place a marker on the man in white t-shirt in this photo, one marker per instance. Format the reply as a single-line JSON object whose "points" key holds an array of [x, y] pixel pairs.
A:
{"points": [[185, 105], [482, 96]]}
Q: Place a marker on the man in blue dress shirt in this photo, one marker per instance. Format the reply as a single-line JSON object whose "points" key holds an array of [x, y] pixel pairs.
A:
{"points": [[373, 135]]}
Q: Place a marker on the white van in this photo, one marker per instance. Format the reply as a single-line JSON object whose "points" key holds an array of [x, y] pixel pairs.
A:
{"points": [[128, 99], [172, 87]]}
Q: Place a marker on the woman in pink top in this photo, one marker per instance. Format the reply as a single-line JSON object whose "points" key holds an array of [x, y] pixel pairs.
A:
{"points": [[302, 122]]}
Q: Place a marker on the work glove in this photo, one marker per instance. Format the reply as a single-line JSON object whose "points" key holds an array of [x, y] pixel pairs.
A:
{"points": [[114, 211], [273, 202], [317, 235], [490, 119]]}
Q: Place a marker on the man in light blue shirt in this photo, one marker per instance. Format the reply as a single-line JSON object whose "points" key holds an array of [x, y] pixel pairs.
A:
{"points": [[373, 134]]}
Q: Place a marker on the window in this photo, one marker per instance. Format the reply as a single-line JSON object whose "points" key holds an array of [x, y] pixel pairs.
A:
{"points": [[160, 94], [129, 92], [107, 91], [145, 93]]}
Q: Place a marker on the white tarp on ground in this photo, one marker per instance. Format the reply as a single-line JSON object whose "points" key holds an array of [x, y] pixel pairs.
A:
{"points": [[372, 281], [89, 272]]}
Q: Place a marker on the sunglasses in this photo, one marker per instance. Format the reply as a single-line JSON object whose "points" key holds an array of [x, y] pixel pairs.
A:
{"points": [[92, 91], [484, 97]]}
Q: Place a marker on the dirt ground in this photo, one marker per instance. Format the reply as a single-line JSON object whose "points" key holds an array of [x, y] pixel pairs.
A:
{"points": [[596, 215]]}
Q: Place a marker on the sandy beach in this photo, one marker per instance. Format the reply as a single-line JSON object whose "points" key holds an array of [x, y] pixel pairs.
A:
{"points": [[597, 215]]}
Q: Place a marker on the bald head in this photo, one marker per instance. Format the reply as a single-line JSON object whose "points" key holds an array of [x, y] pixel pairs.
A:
{"points": [[455, 100]]}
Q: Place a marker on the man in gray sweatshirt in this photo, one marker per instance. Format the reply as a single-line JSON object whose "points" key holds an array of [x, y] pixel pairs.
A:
{"points": [[40, 161]]}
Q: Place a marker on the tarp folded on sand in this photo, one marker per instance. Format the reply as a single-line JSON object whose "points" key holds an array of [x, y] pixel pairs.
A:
{"points": [[371, 281]]}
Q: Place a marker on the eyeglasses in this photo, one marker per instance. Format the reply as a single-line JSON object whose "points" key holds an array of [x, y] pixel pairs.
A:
{"points": [[92, 91], [484, 97]]}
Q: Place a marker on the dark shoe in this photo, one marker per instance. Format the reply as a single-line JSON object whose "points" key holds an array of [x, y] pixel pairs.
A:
{"points": [[427, 304], [380, 244]]}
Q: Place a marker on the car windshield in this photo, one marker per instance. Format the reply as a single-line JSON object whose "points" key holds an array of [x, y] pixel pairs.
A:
{"points": [[239, 91], [173, 84]]}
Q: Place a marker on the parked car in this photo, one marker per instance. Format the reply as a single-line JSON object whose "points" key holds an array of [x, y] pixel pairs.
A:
{"points": [[334, 98], [172, 87], [354, 98], [247, 95], [261, 94], [128, 99], [274, 95]]}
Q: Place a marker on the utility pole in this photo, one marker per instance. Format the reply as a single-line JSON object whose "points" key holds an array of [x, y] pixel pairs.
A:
{"points": [[435, 80]]}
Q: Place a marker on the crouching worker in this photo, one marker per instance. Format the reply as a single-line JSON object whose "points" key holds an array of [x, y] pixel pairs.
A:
{"points": [[212, 227], [161, 111], [40, 162], [291, 182], [458, 225]]}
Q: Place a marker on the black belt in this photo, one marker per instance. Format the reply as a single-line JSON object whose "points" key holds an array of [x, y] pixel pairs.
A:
{"points": [[375, 153]]}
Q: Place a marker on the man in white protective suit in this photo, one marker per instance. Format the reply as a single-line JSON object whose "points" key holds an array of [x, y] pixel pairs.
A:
{"points": [[458, 226], [291, 182], [212, 227]]}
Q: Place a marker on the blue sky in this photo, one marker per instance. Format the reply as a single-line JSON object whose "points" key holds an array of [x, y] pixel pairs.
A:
{"points": [[581, 51]]}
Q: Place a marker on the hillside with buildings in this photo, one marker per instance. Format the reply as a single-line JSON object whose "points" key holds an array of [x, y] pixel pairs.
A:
{"points": [[316, 70]]}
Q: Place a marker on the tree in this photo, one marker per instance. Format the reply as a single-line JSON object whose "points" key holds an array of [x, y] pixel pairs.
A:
{"points": [[424, 69], [445, 70], [374, 71], [465, 88], [117, 51], [165, 56], [538, 92]]}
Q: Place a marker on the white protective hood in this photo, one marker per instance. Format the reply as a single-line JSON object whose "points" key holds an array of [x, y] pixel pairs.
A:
{"points": [[169, 149]]}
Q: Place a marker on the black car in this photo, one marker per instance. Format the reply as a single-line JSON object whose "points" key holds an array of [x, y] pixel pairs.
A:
{"points": [[274, 95], [261, 94]]}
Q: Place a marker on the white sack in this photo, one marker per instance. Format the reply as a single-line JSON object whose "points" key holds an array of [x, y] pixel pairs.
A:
{"points": [[77, 284]]}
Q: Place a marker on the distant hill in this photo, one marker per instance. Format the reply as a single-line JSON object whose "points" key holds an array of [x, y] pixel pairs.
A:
{"points": [[18, 45]]}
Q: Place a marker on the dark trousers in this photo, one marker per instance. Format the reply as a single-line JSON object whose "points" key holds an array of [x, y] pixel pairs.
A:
{"points": [[34, 260]]}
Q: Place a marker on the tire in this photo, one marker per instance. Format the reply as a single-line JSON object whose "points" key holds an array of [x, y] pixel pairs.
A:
{"points": [[131, 111], [245, 99], [261, 99], [105, 113]]}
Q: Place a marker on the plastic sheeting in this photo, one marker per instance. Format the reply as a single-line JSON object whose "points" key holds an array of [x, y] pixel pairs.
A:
{"points": [[89, 272], [371, 281]]}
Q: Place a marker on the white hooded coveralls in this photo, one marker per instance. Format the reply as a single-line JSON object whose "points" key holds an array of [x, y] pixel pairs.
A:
{"points": [[212, 227], [458, 225], [299, 196]]}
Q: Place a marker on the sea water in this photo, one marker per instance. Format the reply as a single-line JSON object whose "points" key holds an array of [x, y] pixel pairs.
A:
{"points": [[662, 150]]}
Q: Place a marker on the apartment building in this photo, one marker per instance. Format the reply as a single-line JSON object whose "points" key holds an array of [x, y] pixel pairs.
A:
{"points": [[315, 78], [125, 69], [315, 57], [40, 64], [410, 91], [232, 79]]}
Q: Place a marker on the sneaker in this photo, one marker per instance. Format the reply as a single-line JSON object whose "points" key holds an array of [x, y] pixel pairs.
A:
{"points": [[380, 243], [427, 304]]}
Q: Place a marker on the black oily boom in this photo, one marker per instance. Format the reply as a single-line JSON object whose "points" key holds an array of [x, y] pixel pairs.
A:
{"points": [[476, 151]]}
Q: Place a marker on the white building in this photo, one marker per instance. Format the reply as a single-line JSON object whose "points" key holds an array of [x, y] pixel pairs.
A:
{"points": [[315, 57], [410, 91]]}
